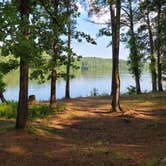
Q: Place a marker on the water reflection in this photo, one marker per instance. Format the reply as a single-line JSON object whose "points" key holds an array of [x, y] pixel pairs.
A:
{"points": [[81, 85]]}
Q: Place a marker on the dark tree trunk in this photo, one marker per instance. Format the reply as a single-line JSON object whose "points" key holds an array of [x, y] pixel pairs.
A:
{"points": [[53, 87], [55, 54], [2, 98], [152, 56], [115, 25], [22, 110], [53, 75], [137, 81], [159, 51], [67, 94]]}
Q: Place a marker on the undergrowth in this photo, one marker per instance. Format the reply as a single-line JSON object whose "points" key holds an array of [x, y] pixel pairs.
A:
{"points": [[9, 111]]}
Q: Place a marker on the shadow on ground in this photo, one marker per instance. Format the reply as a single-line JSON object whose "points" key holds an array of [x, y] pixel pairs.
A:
{"points": [[88, 136]]}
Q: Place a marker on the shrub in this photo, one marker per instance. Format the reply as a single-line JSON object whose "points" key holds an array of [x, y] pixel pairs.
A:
{"points": [[94, 92], [9, 111], [131, 90], [40, 111], [60, 107]]}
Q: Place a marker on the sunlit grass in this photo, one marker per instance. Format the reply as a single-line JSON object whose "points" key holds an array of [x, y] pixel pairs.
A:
{"points": [[9, 111]]}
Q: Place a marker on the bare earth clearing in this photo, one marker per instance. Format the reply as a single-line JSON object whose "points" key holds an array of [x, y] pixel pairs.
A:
{"points": [[85, 134]]}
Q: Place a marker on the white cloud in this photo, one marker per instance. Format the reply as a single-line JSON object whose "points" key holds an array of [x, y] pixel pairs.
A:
{"points": [[103, 16], [80, 8]]}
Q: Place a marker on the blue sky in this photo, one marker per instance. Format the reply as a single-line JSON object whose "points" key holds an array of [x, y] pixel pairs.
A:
{"points": [[99, 50]]}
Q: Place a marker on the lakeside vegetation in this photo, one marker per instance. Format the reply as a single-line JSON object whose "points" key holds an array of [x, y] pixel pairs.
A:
{"points": [[88, 65]]}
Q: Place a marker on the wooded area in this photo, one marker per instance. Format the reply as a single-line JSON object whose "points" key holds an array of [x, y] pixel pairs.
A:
{"points": [[36, 39]]}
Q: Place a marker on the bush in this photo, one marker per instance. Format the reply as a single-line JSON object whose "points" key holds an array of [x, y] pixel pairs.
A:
{"points": [[131, 90], [60, 107], [40, 111], [94, 92], [9, 111]]}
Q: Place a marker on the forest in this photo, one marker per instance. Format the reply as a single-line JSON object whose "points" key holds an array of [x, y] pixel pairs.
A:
{"points": [[102, 129]]}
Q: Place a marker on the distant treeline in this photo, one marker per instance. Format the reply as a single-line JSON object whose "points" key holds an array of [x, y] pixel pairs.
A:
{"points": [[101, 64]]}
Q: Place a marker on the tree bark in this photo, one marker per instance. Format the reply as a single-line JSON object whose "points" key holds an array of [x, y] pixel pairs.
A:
{"points": [[159, 50], [115, 25], [22, 110], [54, 74], [2, 97], [152, 56], [137, 81], [67, 94], [54, 57]]}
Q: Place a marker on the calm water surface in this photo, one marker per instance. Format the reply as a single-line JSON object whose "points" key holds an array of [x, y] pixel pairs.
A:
{"points": [[81, 86]]}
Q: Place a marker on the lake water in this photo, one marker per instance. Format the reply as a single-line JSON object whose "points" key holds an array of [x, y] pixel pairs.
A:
{"points": [[81, 86]]}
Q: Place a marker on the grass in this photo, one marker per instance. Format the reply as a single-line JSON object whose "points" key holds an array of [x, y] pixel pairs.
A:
{"points": [[150, 163], [102, 150], [119, 155], [9, 111], [150, 126], [40, 111], [60, 107]]}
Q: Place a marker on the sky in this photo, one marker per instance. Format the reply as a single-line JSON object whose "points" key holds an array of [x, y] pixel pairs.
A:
{"points": [[100, 50]]}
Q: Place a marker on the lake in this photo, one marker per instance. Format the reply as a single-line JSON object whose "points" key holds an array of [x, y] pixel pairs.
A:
{"points": [[81, 86]]}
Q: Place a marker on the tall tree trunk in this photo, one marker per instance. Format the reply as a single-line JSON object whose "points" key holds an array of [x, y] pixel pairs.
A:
{"points": [[2, 98], [159, 50], [54, 74], [22, 110], [67, 94], [55, 54], [137, 81], [133, 49], [152, 56], [115, 25]]}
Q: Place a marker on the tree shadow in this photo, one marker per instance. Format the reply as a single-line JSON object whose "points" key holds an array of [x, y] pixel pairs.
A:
{"points": [[97, 139]]}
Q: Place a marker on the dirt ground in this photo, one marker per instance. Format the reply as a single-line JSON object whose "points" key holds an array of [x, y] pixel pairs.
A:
{"points": [[87, 134]]}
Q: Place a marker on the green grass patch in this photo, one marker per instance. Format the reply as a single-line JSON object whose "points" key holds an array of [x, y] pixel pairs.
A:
{"points": [[102, 150], [9, 111], [102, 143], [119, 156], [32, 129], [150, 163], [60, 107], [150, 126], [40, 111]]}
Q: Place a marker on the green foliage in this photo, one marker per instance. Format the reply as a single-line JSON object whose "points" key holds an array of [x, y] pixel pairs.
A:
{"points": [[100, 64], [60, 107], [135, 58], [94, 92], [2, 84], [40, 111], [9, 111], [131, 90]]}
